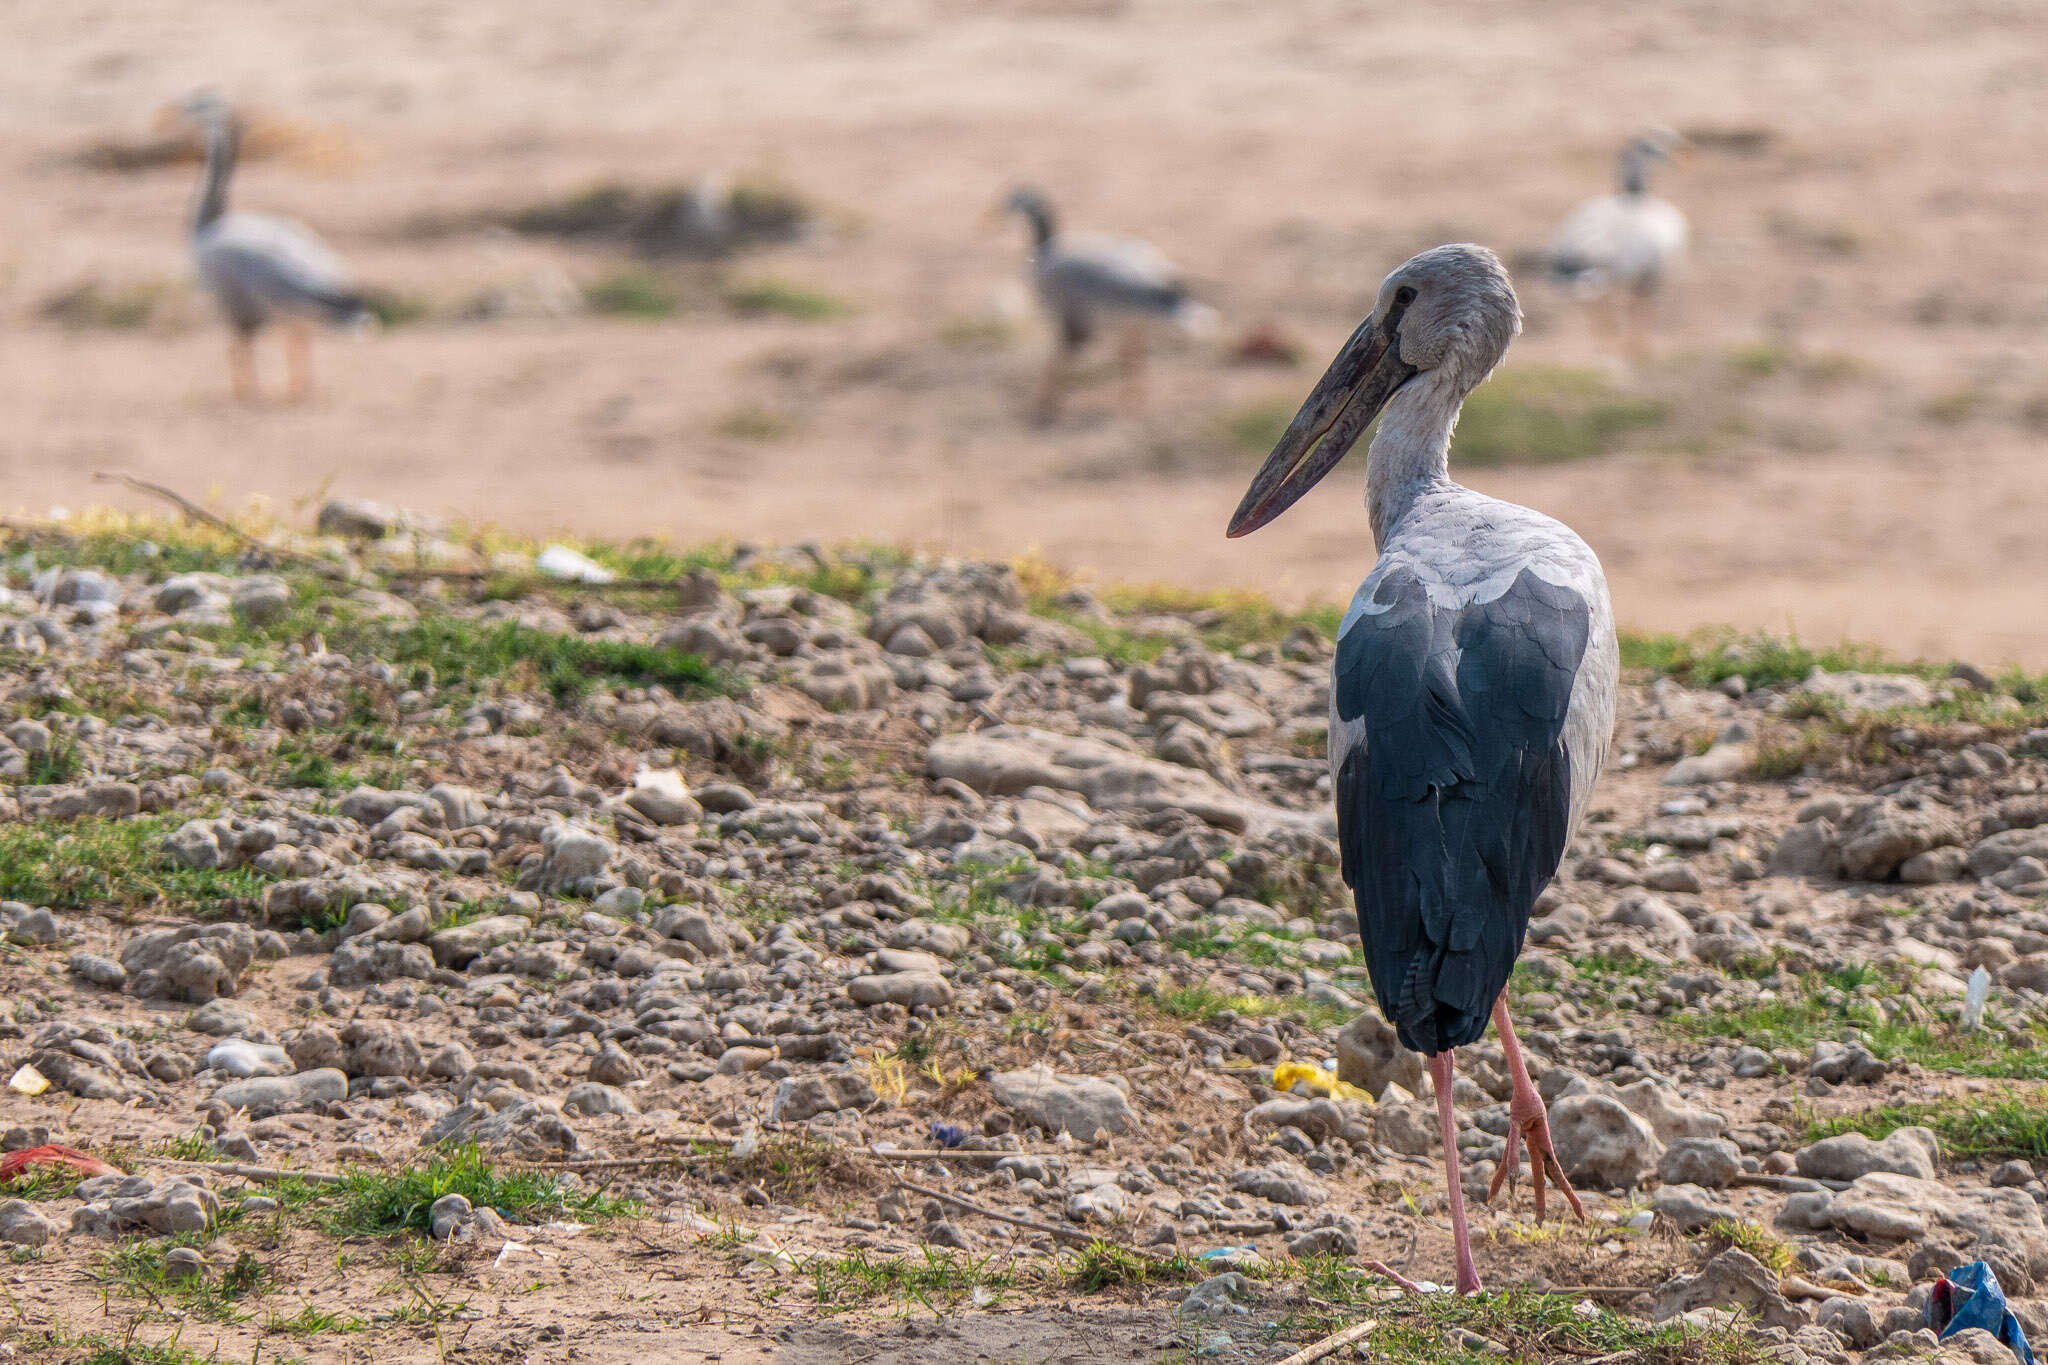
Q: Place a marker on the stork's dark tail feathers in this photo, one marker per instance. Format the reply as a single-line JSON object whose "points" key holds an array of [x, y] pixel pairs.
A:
{"points": [[353, 308]]}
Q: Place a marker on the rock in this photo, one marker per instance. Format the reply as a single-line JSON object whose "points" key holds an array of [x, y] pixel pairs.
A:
{"points": [[1689, 1207], [1935, 865], [1712, 1163], [263, 1096], [1669, 1118], [1973, 1346], [611, 1066], [459, 945], [1082, 1106], [662, 798], [1868, 691], [1602, 1143], [446, 1215], [23, 1226], [362, 962], [593, 1099], [1885, 833], [316, 1047], [1905, 1208], [1324, 1241], [376, 1048], [241, 1058], [1809, 849], [1218, 1296], [570, 859], [1370, 1056], [908, 989], [799, 1098], [1999, 852], [1728, 759], [1101, 1203], [358, 519], [1733, 1279], [196, 963], [29, 927], [1281, 1182], [1410, 1129], [1909, 1151], [103, 972], [1851, 1320], [461, 808], [1008, 760], [261, 601], [522, 1128], [1663, 927]]}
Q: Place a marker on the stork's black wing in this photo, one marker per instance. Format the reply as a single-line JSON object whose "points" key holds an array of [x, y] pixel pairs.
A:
{"points": [[1452, 814]]}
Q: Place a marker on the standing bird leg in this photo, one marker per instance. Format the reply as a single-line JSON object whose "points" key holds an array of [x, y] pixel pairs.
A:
{"points": [[1527, 1122], [298, 352], [1442, 1076], [242, 365]]}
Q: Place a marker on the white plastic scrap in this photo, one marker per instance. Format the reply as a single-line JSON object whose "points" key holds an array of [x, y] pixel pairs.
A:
{"points": [[559, 561], [1974, 1000], [28, 1081]]}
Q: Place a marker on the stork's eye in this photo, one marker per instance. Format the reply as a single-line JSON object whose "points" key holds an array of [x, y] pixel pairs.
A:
{"points": [[1404, 296]]}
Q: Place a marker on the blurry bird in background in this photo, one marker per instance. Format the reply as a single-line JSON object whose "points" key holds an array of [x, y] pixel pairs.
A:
{"points": [[1086, 281], [1628, 242], [259, 268]]}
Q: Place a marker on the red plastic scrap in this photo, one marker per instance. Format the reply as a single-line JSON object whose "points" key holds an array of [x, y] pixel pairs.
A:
{"points": [[51, 1154]]}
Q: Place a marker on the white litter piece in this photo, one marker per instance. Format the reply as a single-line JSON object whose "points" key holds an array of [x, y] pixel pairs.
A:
{"points": [[749, 1143], [559, 561], [565, 1229], [1974, 1000], [28, 1081]]}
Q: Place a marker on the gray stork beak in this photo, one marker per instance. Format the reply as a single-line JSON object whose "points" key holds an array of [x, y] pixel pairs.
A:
{"points": [[1345, 400]]}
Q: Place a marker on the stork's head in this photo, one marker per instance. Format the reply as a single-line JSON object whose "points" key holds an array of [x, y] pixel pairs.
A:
{"points": [[206, 110], [1036, 210], [1444, 317], [1657, 144]]}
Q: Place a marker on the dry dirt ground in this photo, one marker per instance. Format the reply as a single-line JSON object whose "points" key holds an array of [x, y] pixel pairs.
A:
{"points": [[1864, 197], [364, 807]]}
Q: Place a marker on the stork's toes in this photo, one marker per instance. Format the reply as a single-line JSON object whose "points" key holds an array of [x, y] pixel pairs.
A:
{"points": [[1534, 1129]]}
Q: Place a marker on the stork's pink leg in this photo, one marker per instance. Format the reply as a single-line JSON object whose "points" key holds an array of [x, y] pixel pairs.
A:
{"points": [[1527, 1122], [1441, 1074]]}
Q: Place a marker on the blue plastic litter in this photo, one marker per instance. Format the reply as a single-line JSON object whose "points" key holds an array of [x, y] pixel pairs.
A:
{"points": [[1970, 1297], [948, 1134]]}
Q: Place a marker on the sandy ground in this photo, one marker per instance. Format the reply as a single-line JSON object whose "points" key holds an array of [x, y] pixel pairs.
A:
{"points": [[1878, 226]]}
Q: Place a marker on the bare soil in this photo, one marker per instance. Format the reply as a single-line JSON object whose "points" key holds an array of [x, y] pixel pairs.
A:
{"points": [[1864, 199]]}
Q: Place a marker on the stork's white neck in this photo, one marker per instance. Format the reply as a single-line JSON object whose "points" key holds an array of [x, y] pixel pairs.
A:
{"points": [[1411, 448]]}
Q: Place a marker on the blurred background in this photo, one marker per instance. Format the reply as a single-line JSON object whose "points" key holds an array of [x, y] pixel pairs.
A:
{"points": [[730, 272]]}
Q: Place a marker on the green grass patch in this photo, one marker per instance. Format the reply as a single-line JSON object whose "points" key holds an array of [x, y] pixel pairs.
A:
{"points": [[1830, 1007], [92, 863], [142, 1268], [313, 1322], [767, 296], [1547, 415], [1257, 427], [1968, 1127], [1760, 360], [89, 306], [377, 1203], [1515, 1324], [641, 294], [1707, 657], [100, 1349], [457, 651], [932, 1279], [1760, 1242], [754, 422], [1203, 1003]]}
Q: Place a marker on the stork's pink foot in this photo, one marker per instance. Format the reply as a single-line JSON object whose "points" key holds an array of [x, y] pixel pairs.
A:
{"points": [[1529, 1123]]}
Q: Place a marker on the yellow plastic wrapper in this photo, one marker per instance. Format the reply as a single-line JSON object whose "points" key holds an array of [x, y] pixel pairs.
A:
{"points": [[1322, 1082]]}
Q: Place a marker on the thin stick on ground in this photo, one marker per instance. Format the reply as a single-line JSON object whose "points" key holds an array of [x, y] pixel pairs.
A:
{"points": [[1334, 1342], [268, 1175], [219, 523], [1063, 1234]]}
